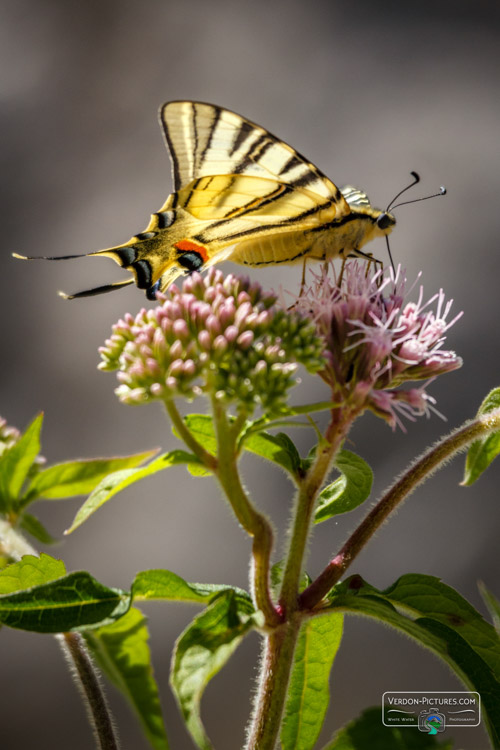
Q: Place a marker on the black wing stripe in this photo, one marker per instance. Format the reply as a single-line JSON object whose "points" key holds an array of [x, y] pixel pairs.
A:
{"points": [[251, 206], [247, 158], [304, 179], [292, 163], [245, 130], [277, 262], [204, 237], [213, 127], [194, 112], [176, 175]]}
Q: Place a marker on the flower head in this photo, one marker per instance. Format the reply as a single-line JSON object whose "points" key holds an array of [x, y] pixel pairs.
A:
{"points": [[217, 335], [376, 340]]}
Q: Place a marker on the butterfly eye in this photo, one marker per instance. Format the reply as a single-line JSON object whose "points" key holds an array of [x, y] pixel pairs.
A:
{"points": [[385, 221], [191, 260]]}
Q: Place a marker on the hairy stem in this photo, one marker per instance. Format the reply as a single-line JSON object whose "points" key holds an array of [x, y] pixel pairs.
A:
{"points": [[277, 660], [308, 492], [254, 523], [280, 644], [414, 476], [87, 679]]}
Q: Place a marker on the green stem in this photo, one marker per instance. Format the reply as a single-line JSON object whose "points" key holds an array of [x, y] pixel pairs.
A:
{"points": [[280, 644], [87, 679], [185, 434], [254, 523], [306, 501], [277, 660], [414, 476]]}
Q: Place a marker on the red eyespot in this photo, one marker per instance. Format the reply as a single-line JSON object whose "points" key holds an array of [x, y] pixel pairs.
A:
{"points": [[186, 245]]}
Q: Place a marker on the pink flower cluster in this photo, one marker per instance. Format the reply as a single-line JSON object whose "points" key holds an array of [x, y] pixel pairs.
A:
{"points": [[217, 335], [376, 340]]}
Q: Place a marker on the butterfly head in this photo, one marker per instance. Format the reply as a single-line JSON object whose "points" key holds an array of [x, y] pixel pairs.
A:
{"points": [[371, 223], [384, 223]]}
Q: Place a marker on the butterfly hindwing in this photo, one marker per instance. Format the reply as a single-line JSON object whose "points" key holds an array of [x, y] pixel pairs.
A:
{"points": [[229, 196]]}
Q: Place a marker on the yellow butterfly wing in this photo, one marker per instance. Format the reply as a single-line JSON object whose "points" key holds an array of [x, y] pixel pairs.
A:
{"points": [[206, 140], [263, 221]]}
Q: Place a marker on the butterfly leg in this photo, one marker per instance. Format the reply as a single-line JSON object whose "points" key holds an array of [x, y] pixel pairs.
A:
{"points": [[369, 257], [341, 274], [303, 280]]}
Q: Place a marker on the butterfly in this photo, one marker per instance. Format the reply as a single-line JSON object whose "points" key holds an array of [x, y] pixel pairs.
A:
{"points": [[240, 194]]}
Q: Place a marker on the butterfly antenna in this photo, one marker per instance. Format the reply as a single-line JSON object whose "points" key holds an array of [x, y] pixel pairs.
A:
{"points": [[416, 180], [442, 191]]}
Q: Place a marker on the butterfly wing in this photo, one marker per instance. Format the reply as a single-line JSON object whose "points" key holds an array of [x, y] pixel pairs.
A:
{"points": [[355, 197], [252, 191], [231, 196], [206, 140], [262, 221], [240, 193]]}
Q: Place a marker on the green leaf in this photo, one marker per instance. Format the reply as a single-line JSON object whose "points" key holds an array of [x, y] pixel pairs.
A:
{"points": [[202, 427], [308, 461], [482, 452], [16, 462], [74, 601], [30, 571], [276, 448], [199, 470], [163, 584], [119, 480], [367, 731], [202, 650], [310, 408], [440, 619], [265, 422], [308, 692], [79, 477], [351, 489], [33, 526], [493, 605], [121, 650]]}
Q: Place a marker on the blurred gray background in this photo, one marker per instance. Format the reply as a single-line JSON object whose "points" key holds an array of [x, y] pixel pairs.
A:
{"points": [[368, 91]]}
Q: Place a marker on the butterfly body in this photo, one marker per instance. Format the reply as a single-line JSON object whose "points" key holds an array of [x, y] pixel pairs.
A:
{"points": [[243, 195]]}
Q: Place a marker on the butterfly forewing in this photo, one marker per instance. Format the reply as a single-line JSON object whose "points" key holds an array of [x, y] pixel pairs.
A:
{"points": [[206, 140]]}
